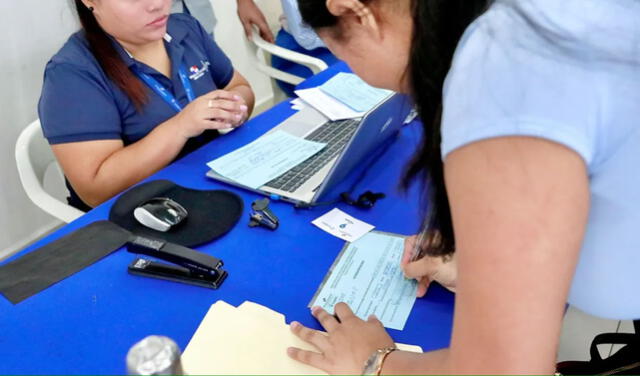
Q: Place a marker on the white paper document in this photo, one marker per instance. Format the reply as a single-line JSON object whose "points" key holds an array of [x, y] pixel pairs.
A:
{"points": [[340, 224], [248, 340], [327, 105], [367, 276], [265, 159], [354, 92]]}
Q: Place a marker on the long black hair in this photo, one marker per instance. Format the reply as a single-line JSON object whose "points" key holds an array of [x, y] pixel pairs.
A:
{"points": [[104, 51], [438, 27]]}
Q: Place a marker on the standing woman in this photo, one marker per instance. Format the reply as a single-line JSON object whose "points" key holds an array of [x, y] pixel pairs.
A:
{"points": [[532, 146], [131, 92]]}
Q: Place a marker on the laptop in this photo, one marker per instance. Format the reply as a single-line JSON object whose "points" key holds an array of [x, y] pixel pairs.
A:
{"points": [[349, 142]]}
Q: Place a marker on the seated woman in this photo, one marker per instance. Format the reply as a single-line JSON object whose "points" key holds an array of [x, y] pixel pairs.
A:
{"points": [[134, 90]]}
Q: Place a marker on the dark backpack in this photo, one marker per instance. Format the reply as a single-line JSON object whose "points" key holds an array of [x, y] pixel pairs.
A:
{"points": [[625, 361]]}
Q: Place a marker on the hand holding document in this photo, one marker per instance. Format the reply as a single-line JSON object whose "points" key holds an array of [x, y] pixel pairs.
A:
{"points": [[367, 276], [248, 340], [265, 159]]}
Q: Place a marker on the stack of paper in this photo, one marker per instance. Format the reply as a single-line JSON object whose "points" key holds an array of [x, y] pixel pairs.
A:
{"points": [[249, 340], [344, 96]]}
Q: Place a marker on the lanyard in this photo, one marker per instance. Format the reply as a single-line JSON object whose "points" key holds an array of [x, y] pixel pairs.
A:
{"points": [[159, 89]]}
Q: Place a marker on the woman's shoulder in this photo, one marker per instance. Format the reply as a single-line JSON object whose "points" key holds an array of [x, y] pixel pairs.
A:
{"points": [[74, 57], [75, 51], [74, 69], [509, 78], [516, 74]]}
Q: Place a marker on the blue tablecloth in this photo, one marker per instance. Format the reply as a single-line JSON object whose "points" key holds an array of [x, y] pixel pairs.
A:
{"points": [[86, 323]]}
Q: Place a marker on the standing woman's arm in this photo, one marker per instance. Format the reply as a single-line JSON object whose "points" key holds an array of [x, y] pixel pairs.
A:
{"points": [[520, 208]]}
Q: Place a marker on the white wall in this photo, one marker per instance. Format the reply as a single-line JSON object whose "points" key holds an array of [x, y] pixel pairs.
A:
{"points": [[31, 31]]}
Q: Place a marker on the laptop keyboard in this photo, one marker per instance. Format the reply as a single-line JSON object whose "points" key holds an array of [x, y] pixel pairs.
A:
{"points": [[335, 134]]}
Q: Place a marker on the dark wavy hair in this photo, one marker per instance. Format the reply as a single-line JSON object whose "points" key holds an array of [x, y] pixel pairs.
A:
{"points": [[438, 27], [104, 51]]}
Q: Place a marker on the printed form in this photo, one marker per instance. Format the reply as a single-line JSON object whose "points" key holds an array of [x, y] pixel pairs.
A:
{"points": [[367, 276], [265, 159], [354, 92]]}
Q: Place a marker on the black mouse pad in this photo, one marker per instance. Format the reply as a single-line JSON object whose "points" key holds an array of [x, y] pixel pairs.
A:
{"points": [[37, 270], [211, 213]]}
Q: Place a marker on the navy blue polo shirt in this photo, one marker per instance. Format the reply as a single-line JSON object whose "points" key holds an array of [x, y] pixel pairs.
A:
{"points": [[80, 103]]}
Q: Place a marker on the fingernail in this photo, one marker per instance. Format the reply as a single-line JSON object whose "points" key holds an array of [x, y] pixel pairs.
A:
{"points": [[238, 116], [237, 97], [295, 325], [244, 107]]}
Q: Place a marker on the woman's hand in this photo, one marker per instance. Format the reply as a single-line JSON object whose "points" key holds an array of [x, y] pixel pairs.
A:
{"points": [[218, 109], [244, 109], [250, 15], [441, 269], [346, 346]]}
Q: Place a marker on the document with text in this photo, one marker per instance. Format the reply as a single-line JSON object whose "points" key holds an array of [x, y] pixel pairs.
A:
{"points": [[354, 92], [265, 159], [367, 276]]}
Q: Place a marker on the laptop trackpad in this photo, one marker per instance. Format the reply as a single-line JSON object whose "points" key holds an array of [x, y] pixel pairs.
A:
{"points": [[302, 122]]}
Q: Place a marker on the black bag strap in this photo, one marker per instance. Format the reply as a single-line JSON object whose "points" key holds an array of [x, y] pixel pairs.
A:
{"points": [[624, 361], [612, 338]]}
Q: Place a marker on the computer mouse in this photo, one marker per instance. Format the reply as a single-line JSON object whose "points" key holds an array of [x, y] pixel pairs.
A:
{"points": [[160, 213]]}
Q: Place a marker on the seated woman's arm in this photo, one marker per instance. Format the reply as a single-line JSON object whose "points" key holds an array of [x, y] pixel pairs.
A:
{"points": [[100, 169]]}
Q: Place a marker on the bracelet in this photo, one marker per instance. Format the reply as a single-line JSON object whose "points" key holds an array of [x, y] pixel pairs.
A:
{"points": [[373, 365], [384, 357]]}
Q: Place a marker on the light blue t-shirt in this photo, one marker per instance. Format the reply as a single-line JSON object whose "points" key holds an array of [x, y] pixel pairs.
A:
{"points": [[567, 71], [303, 34]]}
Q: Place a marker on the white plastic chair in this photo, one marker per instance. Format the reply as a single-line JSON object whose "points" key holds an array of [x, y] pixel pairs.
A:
{"points": [[33, 158], [264, 50]]}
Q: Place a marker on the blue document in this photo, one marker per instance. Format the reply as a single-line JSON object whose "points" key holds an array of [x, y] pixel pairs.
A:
{"points": [[353, 92], [265, 159], [367, 276]]}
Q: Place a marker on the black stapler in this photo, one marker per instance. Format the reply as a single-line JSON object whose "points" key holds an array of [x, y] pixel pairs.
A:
{"points": [[190, 267]]}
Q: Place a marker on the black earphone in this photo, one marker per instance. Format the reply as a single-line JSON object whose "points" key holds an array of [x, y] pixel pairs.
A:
{"points": [[366, 200]]}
